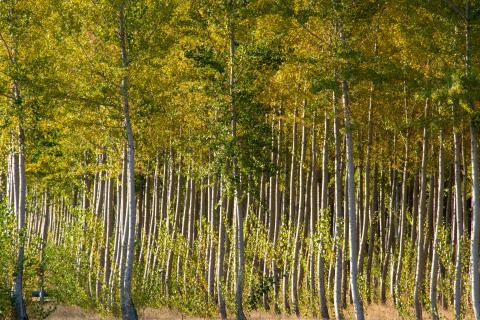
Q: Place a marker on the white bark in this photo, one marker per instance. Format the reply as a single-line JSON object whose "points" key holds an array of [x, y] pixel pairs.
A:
{"points": [[457, 294], [438, 222], [128, 309], [420, 264], [474, 242], [352, 217], [338, 224]]}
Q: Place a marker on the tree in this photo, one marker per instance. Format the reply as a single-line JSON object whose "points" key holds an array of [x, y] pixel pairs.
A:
{"points": [[128, 308]]}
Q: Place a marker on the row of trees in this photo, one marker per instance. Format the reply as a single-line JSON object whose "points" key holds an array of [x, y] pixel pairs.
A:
{"points": [[214, 156]]}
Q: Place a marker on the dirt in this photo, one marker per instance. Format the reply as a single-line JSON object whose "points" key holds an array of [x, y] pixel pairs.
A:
{"points": [[372, 312]]}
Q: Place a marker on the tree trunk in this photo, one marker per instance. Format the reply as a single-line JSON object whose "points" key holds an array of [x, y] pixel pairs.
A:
{"points": [[420, 267], [236, 176], [338, 224], [46, 225], [220, 259], [128, 309], [292, 209], [403, 213], [322, 299], [352, 217], [365, 225], [373, 230], [474, 242], [438, 223], [271, 215], [457, 293], [300, 213], [20, 310], [213, 196], [19, 181], [278, 212]]}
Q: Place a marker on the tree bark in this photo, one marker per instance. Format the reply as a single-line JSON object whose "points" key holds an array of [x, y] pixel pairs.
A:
{"points": [[278, 212], [373, 229], [220, 258], [338, 224], [322, 298], [438, 223], [357, 303], [20, 195], [457, 293], [238, 193], [365, 225], [19, 180], [46, 225], [398, 278], [474, 242], [300, 213], [420, 264], [128, 308]]}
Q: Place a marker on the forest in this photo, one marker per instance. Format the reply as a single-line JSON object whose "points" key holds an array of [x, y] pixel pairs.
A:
{"points": [[219, 158]]}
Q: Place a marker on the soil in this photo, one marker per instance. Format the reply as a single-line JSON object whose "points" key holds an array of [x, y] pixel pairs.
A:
{"points": [[372, 312]]}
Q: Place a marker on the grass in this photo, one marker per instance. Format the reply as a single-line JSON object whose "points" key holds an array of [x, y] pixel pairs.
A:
{"points": [[372, 312]]}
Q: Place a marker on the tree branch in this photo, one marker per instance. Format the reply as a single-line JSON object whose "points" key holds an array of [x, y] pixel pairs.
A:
{"points": [[304, 27], [7, 48], [455, 8]]}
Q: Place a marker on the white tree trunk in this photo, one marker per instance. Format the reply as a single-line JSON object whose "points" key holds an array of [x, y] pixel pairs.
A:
{"points": [[420, 266], [128, 309], [338, 223], [352, 217], [457, 293], [474, 242], [438, 222]]}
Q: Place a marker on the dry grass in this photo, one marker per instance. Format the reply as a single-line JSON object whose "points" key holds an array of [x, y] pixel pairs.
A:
{"points": [[372, 312], [74, 312]]}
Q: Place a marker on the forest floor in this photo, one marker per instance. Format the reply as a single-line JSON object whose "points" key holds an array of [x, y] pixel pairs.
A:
{"points": [[372, 312]]}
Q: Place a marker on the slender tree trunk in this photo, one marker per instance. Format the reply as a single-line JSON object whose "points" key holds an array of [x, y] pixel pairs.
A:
{"points": [[403, 213], [278, 212], [128, 309], [337, 298], [236, 176], [475, 226], [154, 216], [393, 235], [46, 225], [108, 231], [373, 228], [357, 303], [19, 181], [322, 298], [213, 226], [300, 213], [271, 215], [420, 266], [173, 228], [313, 213], [387, 235], [123, 222], [457, 294], [438, 223], [98, 215], [21, 312], [363, 243], [429, 218], [220, 259], [117, 239], [184, 219], [474, 242], [292, 209], [416, 181]]}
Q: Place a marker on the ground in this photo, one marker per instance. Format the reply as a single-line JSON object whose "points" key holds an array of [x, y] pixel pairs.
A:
{"points": [[373, 312]]}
